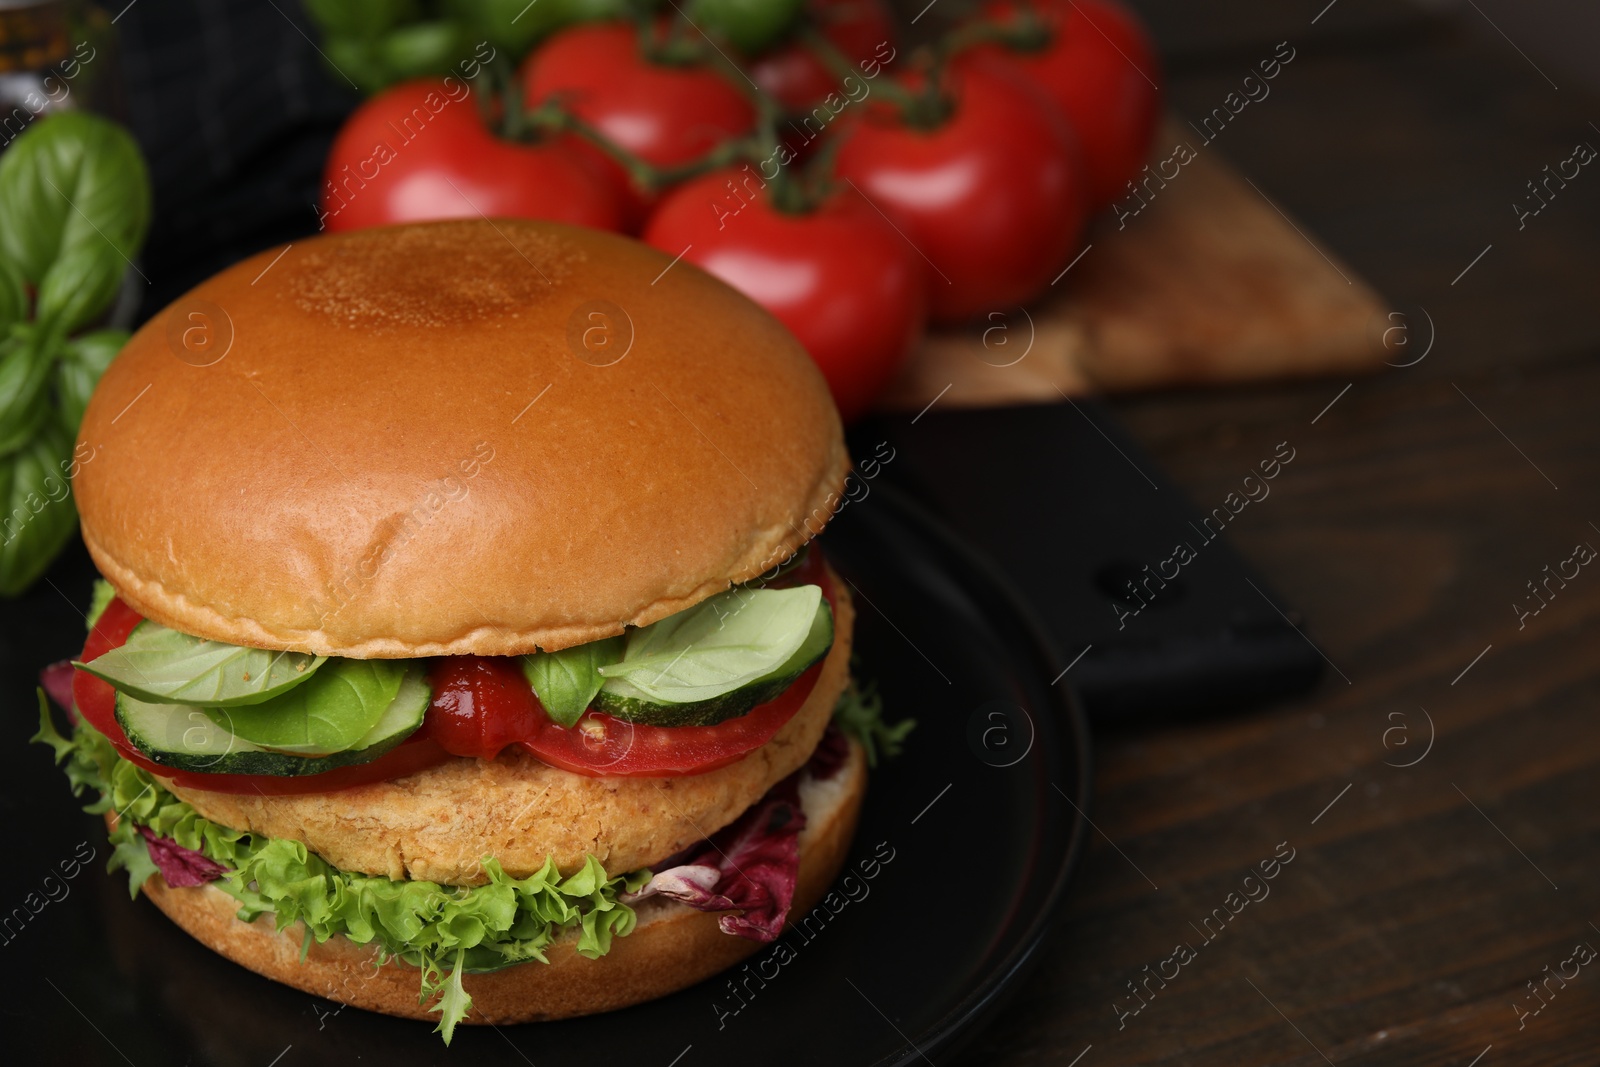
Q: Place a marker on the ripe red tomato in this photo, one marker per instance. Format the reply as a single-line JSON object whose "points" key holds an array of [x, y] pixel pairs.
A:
{"points": [[839, 277], [993, 197], [421, 151], [665, 115], [862, 31], [1099, 66]]}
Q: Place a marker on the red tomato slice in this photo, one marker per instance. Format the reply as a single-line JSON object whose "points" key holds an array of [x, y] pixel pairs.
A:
{"points": [[603, 746], [416, 753]]}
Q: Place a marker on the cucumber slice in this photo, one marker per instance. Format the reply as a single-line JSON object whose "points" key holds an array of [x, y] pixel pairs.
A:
{"points": [[185, 738], [624, 701]]}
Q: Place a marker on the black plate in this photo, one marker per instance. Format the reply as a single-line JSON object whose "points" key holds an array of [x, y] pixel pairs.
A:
{"points": [[974, 819]]}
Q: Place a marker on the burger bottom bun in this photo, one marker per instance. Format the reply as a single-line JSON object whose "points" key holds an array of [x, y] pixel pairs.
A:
{"points": [[671, 948]]}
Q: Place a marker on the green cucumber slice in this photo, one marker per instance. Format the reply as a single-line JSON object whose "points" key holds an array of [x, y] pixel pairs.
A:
{"points": [[624, 701], [186, 738]]}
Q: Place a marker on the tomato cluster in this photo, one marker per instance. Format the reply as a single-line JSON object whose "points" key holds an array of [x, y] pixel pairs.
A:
{"points": [[789, 149]]}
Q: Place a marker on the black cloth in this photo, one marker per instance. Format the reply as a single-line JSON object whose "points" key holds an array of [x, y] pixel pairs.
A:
{"points": [[235, 110]]}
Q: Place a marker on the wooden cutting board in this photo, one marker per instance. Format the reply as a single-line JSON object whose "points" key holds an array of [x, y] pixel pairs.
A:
{"points": [[1208, 282]]}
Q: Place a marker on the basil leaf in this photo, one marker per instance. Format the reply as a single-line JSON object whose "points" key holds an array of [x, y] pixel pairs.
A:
{"points": [[422, 49], [331, 712], [718, 645], [356, 59], [515, 26], [13, 295], [566, 681], [360, 18], [71, 180], [77, 288], [102, 596], [37, 517], [163, 666], [83, 360], [25, 364]]}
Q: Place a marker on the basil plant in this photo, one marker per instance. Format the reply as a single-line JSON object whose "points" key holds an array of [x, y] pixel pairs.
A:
{"points": [[74, 210]]}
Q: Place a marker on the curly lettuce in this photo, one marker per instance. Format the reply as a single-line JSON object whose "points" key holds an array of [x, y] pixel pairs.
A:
{"points": [[444, 931], [859, 713]]}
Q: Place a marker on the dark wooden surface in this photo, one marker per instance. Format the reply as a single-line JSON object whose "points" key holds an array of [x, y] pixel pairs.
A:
{"points": [[1419, 905]]}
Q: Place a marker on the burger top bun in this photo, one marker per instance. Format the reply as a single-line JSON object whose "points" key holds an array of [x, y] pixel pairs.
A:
{"points": [[483, 436]]}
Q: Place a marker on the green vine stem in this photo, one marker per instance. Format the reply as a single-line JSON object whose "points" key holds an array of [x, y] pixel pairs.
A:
{"points": [[553, 117], [1025, 31], [923, 108]]}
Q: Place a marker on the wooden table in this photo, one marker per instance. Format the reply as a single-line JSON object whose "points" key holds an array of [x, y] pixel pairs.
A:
{"points": [[1421, 900]]}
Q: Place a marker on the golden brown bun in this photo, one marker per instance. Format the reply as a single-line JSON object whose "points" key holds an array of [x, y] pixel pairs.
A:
{"points": [[438, 824], [401, 452], [673, 946]]}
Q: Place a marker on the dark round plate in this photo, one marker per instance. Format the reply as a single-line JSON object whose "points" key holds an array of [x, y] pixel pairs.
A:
{"points": [[965, 846]]}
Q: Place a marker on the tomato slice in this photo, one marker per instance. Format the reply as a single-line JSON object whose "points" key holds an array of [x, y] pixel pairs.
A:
{"points": [[416, 753], [603, 746], [96, 702]]}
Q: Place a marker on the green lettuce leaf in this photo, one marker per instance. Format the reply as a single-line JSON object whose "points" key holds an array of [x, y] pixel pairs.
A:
{"points": [[441, 930], [859, 713], [454, 1000]]}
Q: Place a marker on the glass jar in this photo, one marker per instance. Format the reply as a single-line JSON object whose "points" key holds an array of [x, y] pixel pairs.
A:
{"points": [[54, 56]]}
